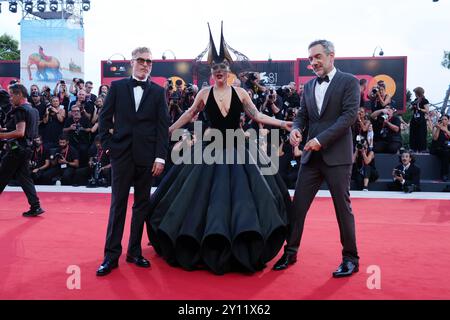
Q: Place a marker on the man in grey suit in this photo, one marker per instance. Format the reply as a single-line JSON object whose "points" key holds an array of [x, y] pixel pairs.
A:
{"points": [[328, 109]]}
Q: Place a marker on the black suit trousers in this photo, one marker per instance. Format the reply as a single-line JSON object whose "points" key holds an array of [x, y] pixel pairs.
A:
{"points": [[124, 175], [310, 177], [16, 164]]}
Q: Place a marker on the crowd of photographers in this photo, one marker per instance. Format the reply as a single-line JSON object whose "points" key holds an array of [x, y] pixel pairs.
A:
{"points": [[68, 153]]}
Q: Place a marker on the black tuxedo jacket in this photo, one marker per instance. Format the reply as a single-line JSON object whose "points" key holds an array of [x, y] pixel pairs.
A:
{"points": [[332, 127], [412, 174], [145, 131]]}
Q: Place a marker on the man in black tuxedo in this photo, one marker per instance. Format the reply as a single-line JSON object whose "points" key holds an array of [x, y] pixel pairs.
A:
{"points": [[133, 126], [406, 176], [329, 108]]}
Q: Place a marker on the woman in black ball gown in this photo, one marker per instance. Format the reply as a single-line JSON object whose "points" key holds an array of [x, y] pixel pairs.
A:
{"points": [[225, 217]]}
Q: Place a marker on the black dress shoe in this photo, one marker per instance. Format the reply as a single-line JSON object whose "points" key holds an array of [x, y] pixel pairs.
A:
{"points": [[285, 261], [139, 261], [33, 212], [106, 267], [346, 269]]}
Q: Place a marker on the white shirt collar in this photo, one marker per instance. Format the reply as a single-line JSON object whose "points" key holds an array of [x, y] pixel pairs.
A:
{"points": [[145, 80], [332, 73]]}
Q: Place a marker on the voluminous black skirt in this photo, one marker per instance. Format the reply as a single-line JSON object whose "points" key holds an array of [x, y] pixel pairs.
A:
{"points": [[227, 217]]}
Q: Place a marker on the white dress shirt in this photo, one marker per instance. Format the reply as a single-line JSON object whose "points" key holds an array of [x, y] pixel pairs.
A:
{"points": [[320, 90], [138, 92]]}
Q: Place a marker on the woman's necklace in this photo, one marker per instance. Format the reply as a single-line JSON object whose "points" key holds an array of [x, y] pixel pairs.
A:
{"points": [[223, 95]]}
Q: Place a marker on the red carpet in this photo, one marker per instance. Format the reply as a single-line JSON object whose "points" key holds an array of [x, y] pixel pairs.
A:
{"points": [[407, 239]]}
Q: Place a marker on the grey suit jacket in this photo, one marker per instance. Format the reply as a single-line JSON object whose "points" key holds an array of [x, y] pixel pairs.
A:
{"points": [[332, 127]]}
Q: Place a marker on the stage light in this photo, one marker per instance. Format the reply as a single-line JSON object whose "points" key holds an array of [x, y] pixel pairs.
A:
{"points": [[380, 53], [109, 61], [41, 4], [86, 5], [13, 6], [70, 4], [54, 5], [28, 6], [164, 56]]}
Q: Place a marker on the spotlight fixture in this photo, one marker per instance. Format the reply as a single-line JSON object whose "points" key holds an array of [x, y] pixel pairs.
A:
{"points": [[380, 53], [13, 6], [28, 6], [41, 4], [70, 4], [86, 5], [54, 5]]}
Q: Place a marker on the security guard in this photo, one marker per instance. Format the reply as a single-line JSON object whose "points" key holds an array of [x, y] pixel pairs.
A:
{"points": [[19, 135]]}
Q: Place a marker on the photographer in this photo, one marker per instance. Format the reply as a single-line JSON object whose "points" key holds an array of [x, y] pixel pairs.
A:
{"points": [[5, 108], [378, 97], [76, 85], [441, 144], [62, 93], [90, 97], [175, 111], [86, 107], [40, 160], [63, 163], [289, 96], [21, 130], [46, 95], [78, 130], [98, 173], [362, 90], [386, 128], [103, 91], [257, 91], [52, 123], [364, 170], [406, 175], [34, 89], [361, 125], [188, 96], [37, 103], [272, 105], [98, 107], [289, 161], [418, 124]]}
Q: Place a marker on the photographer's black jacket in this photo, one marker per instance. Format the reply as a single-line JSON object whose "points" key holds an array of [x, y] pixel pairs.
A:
{"points": [[25, 113], [411, 175]]}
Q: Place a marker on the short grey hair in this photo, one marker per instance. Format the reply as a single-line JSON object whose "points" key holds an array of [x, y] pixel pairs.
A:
{"points": [[328, 45], [140, 50]]}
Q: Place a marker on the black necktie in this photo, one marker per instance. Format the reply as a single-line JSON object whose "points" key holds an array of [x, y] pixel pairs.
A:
{"points": [[320, 80], [137, 83]]}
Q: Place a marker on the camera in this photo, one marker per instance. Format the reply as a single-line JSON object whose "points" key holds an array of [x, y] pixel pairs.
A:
{"points": [[384, 117], [375, 90], [97, 180], [398, 172], [169, 84], [290, 115], [77, 128], [55, 156], [360, 141], [252, 76], [189, 89]]}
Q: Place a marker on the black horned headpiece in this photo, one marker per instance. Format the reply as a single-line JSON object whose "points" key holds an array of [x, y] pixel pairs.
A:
{"points": [[224, 51]]}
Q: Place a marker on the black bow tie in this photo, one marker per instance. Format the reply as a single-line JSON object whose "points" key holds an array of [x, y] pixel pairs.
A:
{"points": [[137, 83], [320, 80]]}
